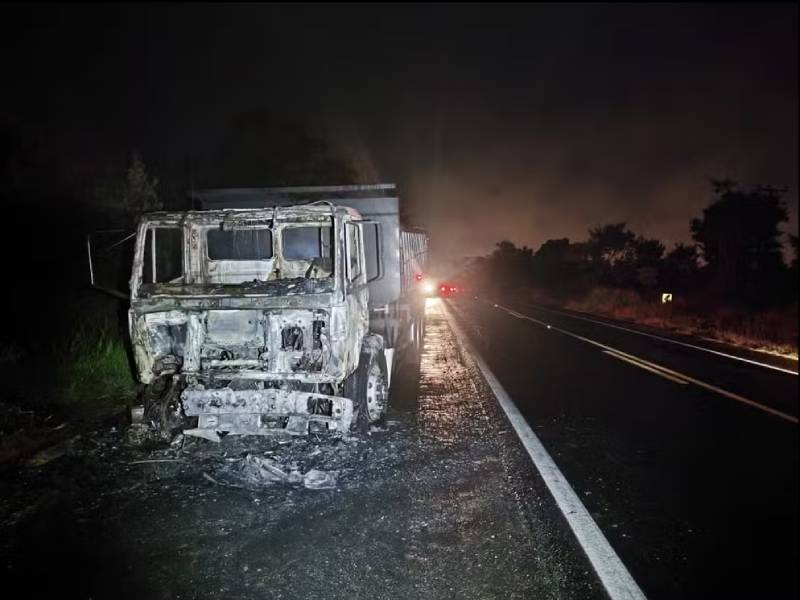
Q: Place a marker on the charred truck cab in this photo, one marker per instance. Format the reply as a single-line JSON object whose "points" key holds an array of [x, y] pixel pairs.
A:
{"points": [[254, 313]]}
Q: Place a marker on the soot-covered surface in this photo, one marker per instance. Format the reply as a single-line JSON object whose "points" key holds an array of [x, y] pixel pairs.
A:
{"points": [[439, 502]]}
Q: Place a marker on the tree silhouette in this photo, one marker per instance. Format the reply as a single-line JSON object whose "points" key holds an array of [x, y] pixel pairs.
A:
{"points": [[510, 265], [680, 268], [738, 235], [553, 251], [737, 257], [611, 243], [612, 252], [648, 252], [550, 262], [138, 194]]}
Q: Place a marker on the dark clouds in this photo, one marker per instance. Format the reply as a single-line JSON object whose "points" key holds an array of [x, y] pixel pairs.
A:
{"points": [[521, 122]]}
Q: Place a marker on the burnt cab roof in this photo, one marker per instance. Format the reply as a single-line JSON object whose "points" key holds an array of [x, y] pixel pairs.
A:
{"points": [[313, 211], [377, 203]]}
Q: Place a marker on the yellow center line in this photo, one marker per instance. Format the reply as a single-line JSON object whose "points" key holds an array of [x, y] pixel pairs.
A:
{"points": [[645, 367], [663, 370]]}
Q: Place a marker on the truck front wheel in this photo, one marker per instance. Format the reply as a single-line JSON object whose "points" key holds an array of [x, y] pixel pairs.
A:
{"points": [[368, 388]]}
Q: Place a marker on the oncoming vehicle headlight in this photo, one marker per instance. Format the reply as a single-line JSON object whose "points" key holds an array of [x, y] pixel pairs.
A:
{"points": [[428, 287]]}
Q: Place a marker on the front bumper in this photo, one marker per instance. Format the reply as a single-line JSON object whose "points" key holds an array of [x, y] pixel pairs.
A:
{"points": [[261, 412]]}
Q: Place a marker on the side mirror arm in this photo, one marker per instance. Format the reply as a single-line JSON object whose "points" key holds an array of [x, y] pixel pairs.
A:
{"points": [[111, 292]]}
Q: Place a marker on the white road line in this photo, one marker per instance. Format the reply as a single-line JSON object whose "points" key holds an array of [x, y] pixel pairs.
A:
{"points": [[615, 577], [670, 340], [697, 382], [636, 363]]}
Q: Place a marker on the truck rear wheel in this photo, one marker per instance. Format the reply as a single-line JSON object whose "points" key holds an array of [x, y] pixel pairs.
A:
{"points": [[368, 388]]}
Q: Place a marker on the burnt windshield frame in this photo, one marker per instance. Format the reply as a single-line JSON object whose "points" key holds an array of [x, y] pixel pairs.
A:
{"points": [[257, 246], [322, 242]]}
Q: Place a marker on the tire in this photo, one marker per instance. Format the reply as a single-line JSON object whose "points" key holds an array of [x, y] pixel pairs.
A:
{"points": [[366, 387]]}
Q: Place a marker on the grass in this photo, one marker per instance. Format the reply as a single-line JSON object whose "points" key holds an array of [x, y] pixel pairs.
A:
{"points": [[85, 378], [773, 331], [74, 367], [93, 368]]}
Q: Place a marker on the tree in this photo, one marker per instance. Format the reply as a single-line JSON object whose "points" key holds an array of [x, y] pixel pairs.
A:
{"points": [[611, 243], [612, 251], [549, 262], [138, 193], [648, 252], [553, 251], [119, 200], [510, 265], [680, 268], [738, 236]]}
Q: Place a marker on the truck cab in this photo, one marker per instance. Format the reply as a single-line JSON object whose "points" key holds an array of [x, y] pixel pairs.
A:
{"points": [[258, 316], [257, 319]]}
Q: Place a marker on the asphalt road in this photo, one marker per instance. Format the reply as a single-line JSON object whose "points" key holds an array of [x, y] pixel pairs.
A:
{"points": [[687, 459]]}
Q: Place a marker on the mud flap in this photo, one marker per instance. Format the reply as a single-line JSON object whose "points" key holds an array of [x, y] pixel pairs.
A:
{"points": [[388, 354]]}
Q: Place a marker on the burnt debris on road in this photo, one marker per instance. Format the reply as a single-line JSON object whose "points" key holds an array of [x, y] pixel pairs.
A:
{"points": [[419, 507]]}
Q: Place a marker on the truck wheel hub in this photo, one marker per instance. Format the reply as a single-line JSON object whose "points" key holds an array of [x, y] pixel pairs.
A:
{"points": [[376, 393]]}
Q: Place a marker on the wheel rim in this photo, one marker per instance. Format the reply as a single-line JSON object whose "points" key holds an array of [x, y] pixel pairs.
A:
{"points": [[376, 393]]}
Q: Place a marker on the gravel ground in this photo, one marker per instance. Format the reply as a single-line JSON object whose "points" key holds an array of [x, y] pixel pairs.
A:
{"points": [[439, 502]]}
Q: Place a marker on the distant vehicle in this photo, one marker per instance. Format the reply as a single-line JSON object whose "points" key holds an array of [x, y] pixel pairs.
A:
{"points": [[274, 308], [427, 286], [446, 289], [431, 287]]}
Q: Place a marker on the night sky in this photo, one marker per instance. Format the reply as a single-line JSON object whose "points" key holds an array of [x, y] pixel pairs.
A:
{"points": [[516, 122]]}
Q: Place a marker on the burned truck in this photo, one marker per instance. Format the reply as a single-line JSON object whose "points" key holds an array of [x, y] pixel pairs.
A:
{"points": [[269, 309]]}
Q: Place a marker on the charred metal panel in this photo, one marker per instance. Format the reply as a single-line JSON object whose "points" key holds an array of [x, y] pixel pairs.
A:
{"points": [[262, 411], [159, 342], [234, 327]]}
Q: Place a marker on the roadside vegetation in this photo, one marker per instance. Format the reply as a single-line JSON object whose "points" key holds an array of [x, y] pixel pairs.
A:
{"points": [[85, 368], [50, 386], [733, 284], [769, 330], [93, 369], [64, 356]]}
